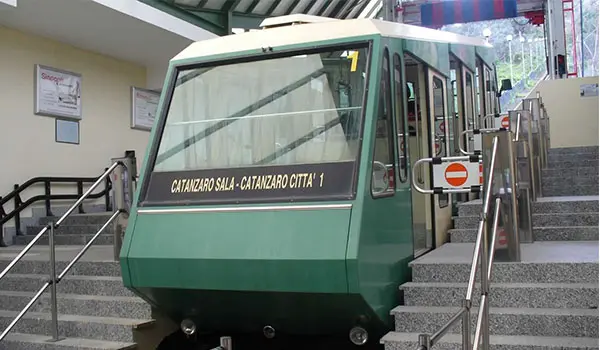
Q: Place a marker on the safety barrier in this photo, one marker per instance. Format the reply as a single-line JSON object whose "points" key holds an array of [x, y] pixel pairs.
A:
{"points": [[510, 156]]}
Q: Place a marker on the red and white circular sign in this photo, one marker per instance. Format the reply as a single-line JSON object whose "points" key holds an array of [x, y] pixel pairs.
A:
{"points": [[456, 174], [505, 122]]}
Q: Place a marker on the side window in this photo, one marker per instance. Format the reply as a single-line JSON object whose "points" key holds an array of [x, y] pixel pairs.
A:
{"points": [[401, 133], [383, 177]]}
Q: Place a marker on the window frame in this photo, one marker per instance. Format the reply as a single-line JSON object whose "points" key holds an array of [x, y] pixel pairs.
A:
{"points": [[385, 79], [243, 57], [444, 88], [400, 116]]}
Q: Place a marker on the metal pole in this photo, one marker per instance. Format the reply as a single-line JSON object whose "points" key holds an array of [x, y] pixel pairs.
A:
{"points": [[53, 281], [424, 342], [581, 30], [466, 326], [551, 40], [226, 343], [485, 324], [514, 244], [512, 79]]}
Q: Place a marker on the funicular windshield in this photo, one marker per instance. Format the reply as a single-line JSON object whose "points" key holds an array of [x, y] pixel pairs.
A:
{"points": [[284, 128]]}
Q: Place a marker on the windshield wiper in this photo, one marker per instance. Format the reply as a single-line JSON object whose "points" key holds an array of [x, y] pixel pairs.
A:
{"points": [[236, 116]]}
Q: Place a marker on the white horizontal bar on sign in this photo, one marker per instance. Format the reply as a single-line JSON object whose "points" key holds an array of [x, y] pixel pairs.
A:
{"points": [[457, 174]]}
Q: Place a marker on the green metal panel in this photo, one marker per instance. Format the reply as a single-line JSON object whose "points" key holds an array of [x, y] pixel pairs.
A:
{"points": [[465, 53], [271, 250], [434, 54], [381, 229], [487, 54]]}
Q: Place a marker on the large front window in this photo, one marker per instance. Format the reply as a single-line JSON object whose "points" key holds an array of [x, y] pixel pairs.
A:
{"points": [[297, 116]]}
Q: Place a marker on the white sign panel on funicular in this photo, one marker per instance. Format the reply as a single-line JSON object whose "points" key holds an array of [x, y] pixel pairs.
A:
{"points": [[57, 93], [144, 106]]}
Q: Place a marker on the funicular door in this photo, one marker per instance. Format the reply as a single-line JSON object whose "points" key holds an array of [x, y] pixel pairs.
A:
{"points": [[439, 139], [419, 146]]}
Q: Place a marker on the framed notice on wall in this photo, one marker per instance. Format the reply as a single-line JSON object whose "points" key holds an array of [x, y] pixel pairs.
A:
{"points": [[144, 105], [57, 93]]}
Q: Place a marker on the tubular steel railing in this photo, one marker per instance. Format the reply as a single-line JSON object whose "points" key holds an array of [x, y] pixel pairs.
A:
{"points": [[47, 197], [54, 279], [481, 256]]}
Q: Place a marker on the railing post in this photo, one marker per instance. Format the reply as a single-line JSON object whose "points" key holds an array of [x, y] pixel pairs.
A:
{"points": [[47, 194], [107, 187], [466, 325], [53, 281], [122, 190], [18, 203], [79, 194], [424, 342]]}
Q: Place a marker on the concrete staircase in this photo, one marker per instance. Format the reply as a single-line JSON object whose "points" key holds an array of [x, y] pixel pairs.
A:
{"points": [[571, 172], [95, 311], [547, 301]]}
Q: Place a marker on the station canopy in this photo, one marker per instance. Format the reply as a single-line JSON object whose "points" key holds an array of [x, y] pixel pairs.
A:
{"points": [[222, 16]]}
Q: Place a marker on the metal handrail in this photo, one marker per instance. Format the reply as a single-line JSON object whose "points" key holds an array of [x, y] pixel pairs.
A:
{"points": [[56, 279], [480, 253], [60, 221], [464, 133], [518, 128]]}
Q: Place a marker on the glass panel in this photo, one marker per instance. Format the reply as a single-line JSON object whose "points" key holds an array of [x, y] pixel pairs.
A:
{"points": [[439, 114], [469, 108], [303, 109], [383, 177], [402, 139]]}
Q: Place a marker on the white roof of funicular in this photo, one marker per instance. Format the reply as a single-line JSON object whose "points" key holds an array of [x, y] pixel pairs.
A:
{"points": [[320, 31]]}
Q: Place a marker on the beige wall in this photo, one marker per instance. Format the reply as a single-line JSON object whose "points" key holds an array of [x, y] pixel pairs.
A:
{"points": [[27, 141], [573, 119]]}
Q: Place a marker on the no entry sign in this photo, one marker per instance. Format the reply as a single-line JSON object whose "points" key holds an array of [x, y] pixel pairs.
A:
{"points": [[505, 122], [457, 174]]}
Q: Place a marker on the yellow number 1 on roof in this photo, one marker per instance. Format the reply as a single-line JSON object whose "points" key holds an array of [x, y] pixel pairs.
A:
{"points": [[354, 57]]}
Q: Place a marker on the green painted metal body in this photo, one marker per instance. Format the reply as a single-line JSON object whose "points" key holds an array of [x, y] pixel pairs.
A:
{"points": [[301, 271], [487, 55], [466, 54]]}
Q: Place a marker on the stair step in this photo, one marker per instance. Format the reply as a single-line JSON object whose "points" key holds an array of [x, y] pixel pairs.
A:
{"points": [[70, 239], [39, 266], [570, 172], [573, 163], [570, 191], [567, 233], [84, 305], [573, 156], [79, 219], [539, 220], [544, 205], [561, 181], [525, 295], [409, 341], [71, 284], [74, 326], [40, 342], [503, 321], [541, 262], [574, 150], [72, 229]]}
